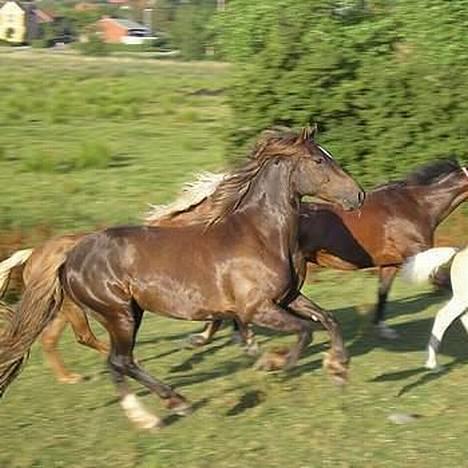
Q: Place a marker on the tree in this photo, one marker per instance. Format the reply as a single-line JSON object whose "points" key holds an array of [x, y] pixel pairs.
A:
{"points": [[387, 86]]}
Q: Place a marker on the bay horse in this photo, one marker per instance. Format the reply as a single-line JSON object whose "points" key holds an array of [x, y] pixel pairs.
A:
{"points": [[397, 220], [419, 269], [240, 261]]}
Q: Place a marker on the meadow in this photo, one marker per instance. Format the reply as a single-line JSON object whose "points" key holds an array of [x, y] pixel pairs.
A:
{"points": [[86, 143]]}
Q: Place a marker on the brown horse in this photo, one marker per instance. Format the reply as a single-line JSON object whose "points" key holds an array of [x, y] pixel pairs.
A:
{"points": [[240, 261], [397, 220]]}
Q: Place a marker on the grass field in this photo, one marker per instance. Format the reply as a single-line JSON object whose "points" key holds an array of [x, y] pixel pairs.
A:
{"points": [[246, 418], [86, 143]]}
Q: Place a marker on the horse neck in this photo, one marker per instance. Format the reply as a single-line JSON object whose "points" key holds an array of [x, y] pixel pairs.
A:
{"points": [[437, 201], [273, 206]]}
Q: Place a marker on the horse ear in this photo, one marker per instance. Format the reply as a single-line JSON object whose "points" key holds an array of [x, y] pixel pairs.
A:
{"points": [[308, 133], [314, 131], [305, 134]]}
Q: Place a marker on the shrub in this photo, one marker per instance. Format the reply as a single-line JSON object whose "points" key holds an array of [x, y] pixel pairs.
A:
{"points": [[387, 87], [95, 47]]}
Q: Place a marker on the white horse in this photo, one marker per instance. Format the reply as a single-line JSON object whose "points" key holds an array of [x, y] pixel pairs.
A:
{"points": [[421, 268]]}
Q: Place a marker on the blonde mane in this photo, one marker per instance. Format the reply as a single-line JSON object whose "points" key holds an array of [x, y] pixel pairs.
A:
{"points": [[191, 195], [227, 191], [232, 190]]}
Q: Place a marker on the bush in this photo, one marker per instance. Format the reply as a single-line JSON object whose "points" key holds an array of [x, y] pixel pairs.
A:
{"points": [[94, 47], [387, 87]]}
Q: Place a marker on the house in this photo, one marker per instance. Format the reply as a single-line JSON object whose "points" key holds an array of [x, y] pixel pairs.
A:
{"points": [[21, 22], [119, 30]]}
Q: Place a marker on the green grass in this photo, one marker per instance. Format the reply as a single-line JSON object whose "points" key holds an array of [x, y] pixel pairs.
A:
{"points": [[246, 418], [87, 142]]}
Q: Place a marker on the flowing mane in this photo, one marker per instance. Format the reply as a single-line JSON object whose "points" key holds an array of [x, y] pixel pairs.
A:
{"points": [[234, 187], [426, 174], [433, 171], [227, 191], [190, 196]]}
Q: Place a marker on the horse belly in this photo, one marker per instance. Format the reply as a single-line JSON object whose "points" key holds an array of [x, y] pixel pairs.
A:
{"points": [[185, 300]]}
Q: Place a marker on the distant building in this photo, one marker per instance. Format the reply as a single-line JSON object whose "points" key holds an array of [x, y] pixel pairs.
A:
{"points": [[21, 22], [119, 30]]}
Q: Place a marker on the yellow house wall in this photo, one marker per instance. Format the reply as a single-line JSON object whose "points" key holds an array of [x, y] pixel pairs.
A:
{"points": [[12, 16]]}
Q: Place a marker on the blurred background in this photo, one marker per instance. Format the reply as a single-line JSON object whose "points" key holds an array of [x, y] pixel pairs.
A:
{"points": [[108, 106]]}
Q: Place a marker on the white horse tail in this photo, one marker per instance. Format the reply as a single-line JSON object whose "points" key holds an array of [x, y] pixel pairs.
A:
{"points": [[420, 267], [17, 259]]}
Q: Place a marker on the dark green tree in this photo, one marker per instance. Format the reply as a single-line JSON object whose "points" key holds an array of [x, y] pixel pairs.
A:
{"points": [[385, 80]]}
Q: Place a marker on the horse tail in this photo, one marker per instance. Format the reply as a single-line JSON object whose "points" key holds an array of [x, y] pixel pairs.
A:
{"points": [[422, 266], [17, 259], [41, 299]]}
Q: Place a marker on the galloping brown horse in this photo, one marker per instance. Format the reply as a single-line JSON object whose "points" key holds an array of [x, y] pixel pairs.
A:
{"points": [[240, 261]]}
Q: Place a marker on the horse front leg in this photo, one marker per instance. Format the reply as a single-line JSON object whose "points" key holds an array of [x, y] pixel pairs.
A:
{"points": [[337, 360], [386, 276]]}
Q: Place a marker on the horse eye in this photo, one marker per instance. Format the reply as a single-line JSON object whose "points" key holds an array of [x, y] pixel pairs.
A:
{"points": [[318, 161]]}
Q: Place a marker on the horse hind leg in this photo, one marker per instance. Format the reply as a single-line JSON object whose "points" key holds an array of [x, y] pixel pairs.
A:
{"points": [[454, 309], [274, 317], [49, 338], [54, 330], [444, 318], [82, 330], [123, 326]]}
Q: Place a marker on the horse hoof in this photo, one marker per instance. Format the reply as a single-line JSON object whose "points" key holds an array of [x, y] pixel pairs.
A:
{"points": [[386, 332], [340, 379], [179, 406], [337, 370], [253, 350], [70, 378], [272, 360], [434, 368], [151, 423], [195, 341], [184, 409], [139, 416], [236, 338]]}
